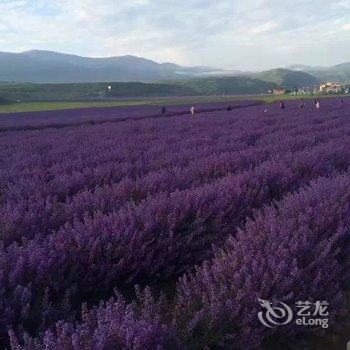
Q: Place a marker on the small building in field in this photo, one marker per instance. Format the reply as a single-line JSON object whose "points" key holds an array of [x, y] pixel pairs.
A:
{"points": [[279, 91], [331, 88]]}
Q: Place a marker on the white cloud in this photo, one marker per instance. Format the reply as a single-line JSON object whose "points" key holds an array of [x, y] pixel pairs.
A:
{"points": [[246, 34], [265, 27]]}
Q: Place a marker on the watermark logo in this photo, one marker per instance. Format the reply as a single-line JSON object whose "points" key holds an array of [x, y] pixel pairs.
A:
{"points": [[308, 314], [278, 315]]}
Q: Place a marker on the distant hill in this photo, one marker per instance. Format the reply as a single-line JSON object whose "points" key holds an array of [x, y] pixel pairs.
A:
{"points": [[4, 101], [287, 78], [27, 92], [304, 68], [339, 73], [30, 92], [52, 67], [228, 85]]}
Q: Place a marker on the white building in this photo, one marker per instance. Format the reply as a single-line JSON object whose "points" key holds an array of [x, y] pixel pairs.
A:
{"points": [[331, 88]]}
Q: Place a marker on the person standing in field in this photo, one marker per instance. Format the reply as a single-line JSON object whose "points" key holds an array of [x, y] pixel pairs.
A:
{"points": [[317, 104], [163, 109], [192, 110], [301, 103], [229, 108], [282, 105]]}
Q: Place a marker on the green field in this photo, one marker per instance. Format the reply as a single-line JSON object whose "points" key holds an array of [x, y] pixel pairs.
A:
{"points": [[49, 106]]}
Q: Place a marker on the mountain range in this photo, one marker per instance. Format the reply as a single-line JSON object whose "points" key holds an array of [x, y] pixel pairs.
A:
{"points": [[38, 66], [53, 67]]}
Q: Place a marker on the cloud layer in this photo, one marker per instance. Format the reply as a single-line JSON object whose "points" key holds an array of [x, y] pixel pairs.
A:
{"points": [[250, 34]]}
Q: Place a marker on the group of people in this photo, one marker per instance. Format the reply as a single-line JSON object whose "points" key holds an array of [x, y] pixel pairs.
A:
{"points": [[301, 104], [163, 110]]}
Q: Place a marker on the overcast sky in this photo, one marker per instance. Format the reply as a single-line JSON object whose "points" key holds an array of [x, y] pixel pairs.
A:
{"points": [[236, 34]]}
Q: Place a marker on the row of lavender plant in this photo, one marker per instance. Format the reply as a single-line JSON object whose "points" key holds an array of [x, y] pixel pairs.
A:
{"points": [[297, 251], [102, 140], [36, 300], [59, 118], [290, 252], [75, 117], [46, 191], [102, 151], [115, 324], [43, 214], [47, 278]]}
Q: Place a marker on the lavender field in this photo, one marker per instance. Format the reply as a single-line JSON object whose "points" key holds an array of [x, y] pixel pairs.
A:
{"points": [[92, 116], [124, 229]]}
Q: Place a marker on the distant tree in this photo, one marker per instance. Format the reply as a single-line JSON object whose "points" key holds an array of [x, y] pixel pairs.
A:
{"points": [[3, 101]]}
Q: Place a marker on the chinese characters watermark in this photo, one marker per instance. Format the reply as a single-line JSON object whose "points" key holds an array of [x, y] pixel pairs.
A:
{"points": [[308, 314]]}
